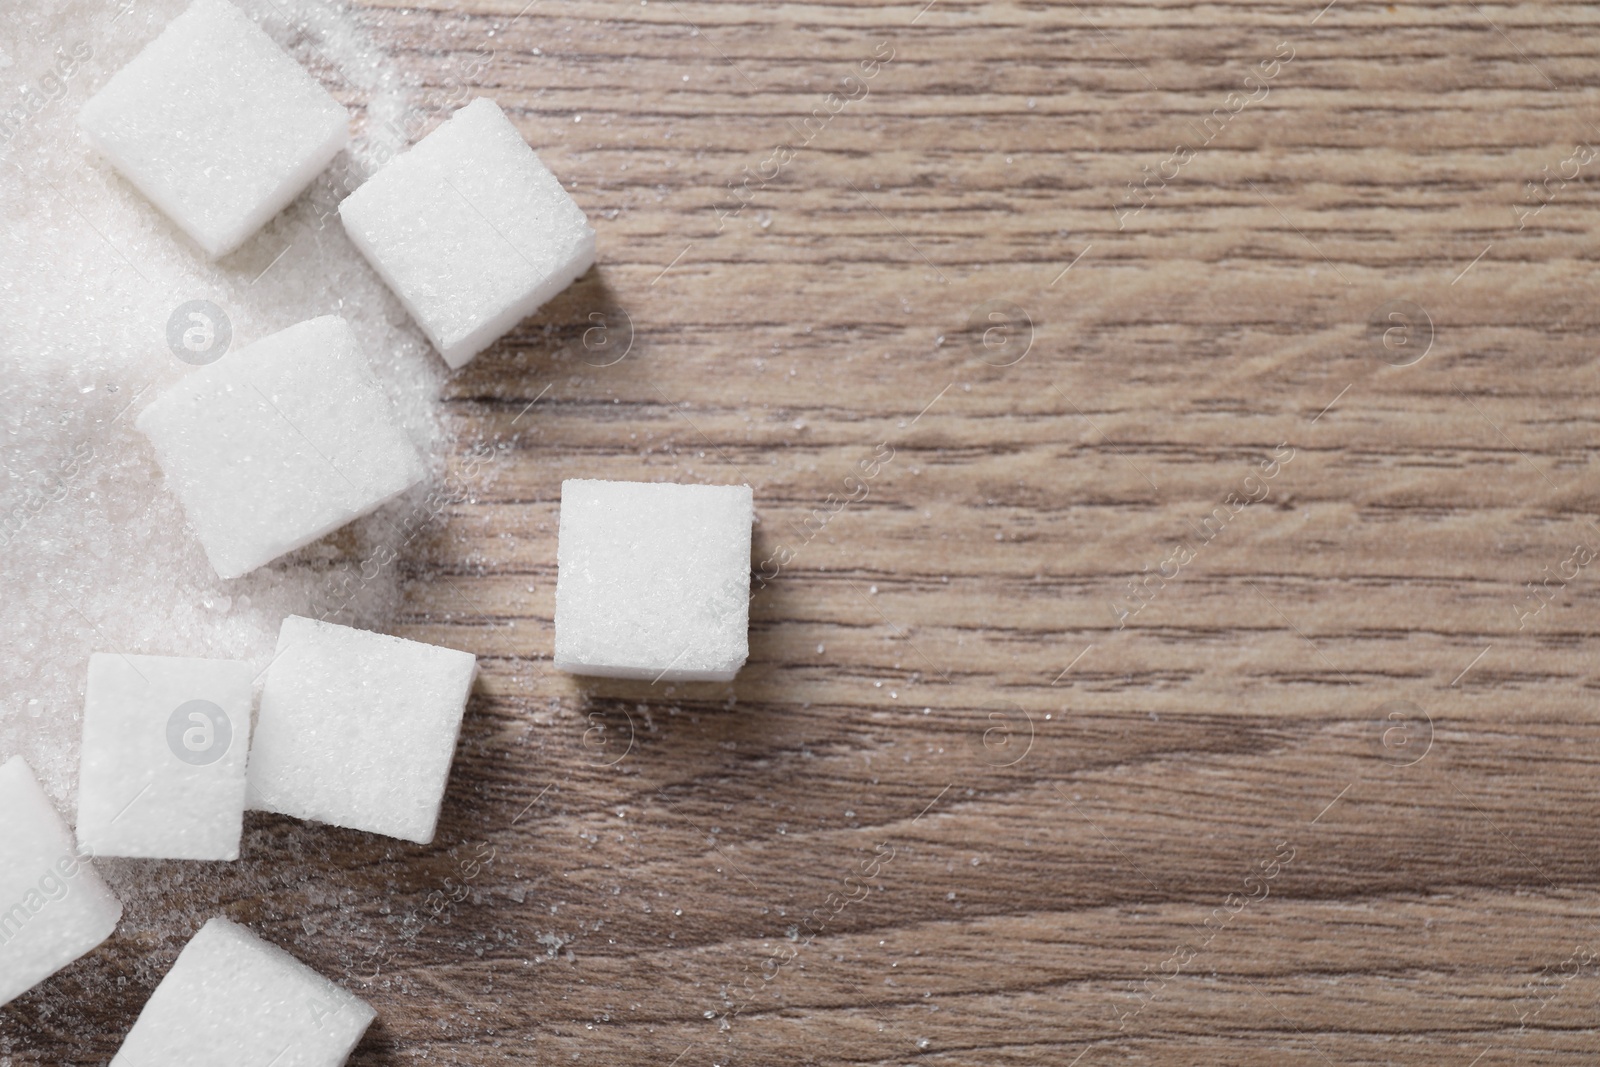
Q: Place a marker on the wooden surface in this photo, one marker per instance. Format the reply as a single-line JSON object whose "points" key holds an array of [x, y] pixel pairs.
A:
{"points": [[1327, 798]]}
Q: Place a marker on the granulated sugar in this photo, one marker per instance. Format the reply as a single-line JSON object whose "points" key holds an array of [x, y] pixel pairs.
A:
{"points": [[106, 304]]}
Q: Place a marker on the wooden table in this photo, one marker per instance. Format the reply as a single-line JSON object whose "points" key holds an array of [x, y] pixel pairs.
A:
{"points": [[1157, 415]]}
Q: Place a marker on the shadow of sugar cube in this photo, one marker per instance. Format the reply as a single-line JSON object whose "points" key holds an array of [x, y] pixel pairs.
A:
{"points": [[231, 998], [358, 729], [470, 230], [164, 745], [216, 124], [278, 444], [653, 580], [53, 907]]}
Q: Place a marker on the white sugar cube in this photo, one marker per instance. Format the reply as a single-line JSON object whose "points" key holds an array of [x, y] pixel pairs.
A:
{"points": [[53, 907], [216, 124], [358, 729], [231, 998], [164, 746], [277, 444], [470, 231], [653, 580]]}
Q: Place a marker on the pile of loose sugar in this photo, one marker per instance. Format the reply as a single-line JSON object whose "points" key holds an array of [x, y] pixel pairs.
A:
{"points": [[106, 304]]}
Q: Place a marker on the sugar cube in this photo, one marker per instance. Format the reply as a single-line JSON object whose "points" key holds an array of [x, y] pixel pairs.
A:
{"points": [[231, 998], [277, 444], [653, 580], [53, 906], [164, 746], [358, 729], [216, 124], [470, 231]]}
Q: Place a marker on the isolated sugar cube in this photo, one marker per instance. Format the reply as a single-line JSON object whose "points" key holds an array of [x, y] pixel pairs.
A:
{"points": [[653, 580], [164, 746], [470, 230], [53, 907], [358, 729], [233, 999], [277, 444], [216, 124]]}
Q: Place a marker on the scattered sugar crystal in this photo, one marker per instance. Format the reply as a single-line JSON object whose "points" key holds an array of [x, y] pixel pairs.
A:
{"points": [[470, 231], [216, 125], [164, 746], [358, 729], [231, 998], [276, 445], [653, 580], [53, 907]]}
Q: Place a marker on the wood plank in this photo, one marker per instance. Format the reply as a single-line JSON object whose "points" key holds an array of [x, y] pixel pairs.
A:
{"points": [[1346, 671]]}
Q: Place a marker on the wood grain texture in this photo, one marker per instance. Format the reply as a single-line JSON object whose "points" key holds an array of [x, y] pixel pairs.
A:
{"points": [[1328, 796]]}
